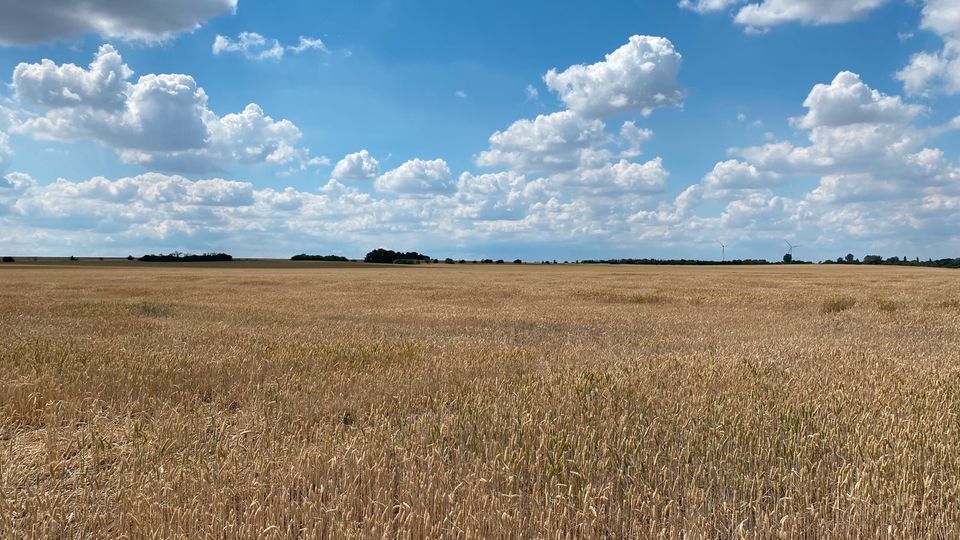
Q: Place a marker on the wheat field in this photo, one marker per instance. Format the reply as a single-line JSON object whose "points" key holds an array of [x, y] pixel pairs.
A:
{"points": [[479, 402]]}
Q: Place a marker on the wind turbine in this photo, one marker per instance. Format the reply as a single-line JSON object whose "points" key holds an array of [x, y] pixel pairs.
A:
{"points": [[723, 251], [791, 246]]}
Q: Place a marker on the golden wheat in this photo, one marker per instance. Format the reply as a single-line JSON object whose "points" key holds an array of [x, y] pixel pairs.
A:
{"points": [[479, 402]]}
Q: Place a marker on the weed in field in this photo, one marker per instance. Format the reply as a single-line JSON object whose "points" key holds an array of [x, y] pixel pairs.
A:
{"points": [[837, 304], [886, 305], [151, 309]]}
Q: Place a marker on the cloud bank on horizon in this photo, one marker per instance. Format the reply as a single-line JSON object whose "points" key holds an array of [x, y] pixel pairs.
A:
{"points": [[858, 168]]}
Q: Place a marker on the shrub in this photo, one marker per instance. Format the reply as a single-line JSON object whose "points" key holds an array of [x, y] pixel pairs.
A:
{"points": [[8, 259]]}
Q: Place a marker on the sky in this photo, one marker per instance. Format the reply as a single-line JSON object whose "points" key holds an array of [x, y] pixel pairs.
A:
{"points": [[537, 130]]}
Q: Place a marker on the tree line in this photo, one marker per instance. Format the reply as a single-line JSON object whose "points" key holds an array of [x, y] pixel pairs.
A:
{"points": [[850, 258], [176, 256], [388, 256]]}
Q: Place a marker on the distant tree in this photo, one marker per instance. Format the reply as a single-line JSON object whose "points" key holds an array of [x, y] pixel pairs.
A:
{"points": [[850, 259], [872, 259], [325, 258], [499, 261], [448, 260], [787, 258], [486, 261], [840, 260], [130, 257], [517, 261], [72, 258], [388, 256], [8, 260]]}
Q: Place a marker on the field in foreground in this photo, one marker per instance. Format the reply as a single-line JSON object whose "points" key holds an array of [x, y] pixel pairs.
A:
{"points": [[479, 402]]}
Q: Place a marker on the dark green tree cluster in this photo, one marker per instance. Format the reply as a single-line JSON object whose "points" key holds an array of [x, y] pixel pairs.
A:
{"points": [[388, 256], [324, 258], [176, 256]]}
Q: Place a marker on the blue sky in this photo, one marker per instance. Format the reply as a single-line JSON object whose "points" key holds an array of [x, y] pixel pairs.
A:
{"points": [[437, 126]]}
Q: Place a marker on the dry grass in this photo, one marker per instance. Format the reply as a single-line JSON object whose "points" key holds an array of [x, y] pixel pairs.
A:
{"points": [[479, 402]]}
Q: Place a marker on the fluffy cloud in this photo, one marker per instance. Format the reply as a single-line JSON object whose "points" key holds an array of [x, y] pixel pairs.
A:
{"points": [[161, 121], [774, 12], [638, 77], [928, 72], [936, 72], [417, 177], [37, 21], [357, 166], [254, 46], [942, 17], [847, 100], [879, 186], [732, 175], [550, 143], [851, 126], [588, 172]]}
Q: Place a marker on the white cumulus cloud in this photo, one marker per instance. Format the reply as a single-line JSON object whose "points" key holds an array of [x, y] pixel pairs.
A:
{"points": [[638, 77], [357, 166], [937, 71], [847, 100], [549, 143], [161, 120], [417, 177]]}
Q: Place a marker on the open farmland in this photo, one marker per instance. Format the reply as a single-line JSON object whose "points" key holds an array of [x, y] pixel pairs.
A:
{"points": [[479, 402]]}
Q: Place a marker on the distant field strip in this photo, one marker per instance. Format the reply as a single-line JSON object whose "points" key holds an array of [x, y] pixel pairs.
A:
{"points": [[479, 402]]}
